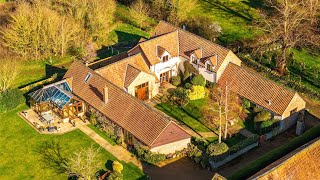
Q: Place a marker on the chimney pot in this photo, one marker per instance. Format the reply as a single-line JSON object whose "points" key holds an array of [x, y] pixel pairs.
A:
{"points": [[269, 102], [184, 27]]}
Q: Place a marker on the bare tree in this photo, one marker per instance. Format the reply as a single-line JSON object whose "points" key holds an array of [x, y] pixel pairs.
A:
{"points": [[9, 70], [290, 23], [181, 10], [139, 10], [85, 163]]}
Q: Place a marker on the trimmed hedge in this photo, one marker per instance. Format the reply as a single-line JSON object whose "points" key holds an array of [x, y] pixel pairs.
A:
{"points": [[276, 154], [198, 80], [176, 80], [11, 99]]}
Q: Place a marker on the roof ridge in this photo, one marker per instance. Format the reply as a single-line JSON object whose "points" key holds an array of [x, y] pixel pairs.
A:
{"points": [[183, 30], [119, 61], [95, 62], [127, 94]]}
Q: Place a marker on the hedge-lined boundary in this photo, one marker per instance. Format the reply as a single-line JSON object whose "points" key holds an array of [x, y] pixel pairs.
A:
{"points": [[276, 154], [284, 80], [30, 87]]}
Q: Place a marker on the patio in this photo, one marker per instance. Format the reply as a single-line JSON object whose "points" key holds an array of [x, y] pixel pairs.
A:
{"points": [[49, 123]]}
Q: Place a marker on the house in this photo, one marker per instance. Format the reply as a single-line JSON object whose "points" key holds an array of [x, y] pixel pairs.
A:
{"points": [[123, 115], [282, 103], [302, 163], [170, 46], [130, 73]]}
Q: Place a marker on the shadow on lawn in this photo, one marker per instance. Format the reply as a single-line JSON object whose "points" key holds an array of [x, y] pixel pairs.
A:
{"points": [[125, 40]]}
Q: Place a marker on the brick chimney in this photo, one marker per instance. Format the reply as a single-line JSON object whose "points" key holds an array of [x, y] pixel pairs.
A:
{"points": [[105, 95]]}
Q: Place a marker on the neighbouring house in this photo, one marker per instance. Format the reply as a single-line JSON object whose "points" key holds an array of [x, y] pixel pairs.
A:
{"points": [[284, 104], [302, 163], [130, 73], [83, 90]]}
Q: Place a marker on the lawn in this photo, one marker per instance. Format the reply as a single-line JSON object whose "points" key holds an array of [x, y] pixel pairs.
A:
{"points": [[19, 141], [182, 116], [234, 16], [102, 134]]}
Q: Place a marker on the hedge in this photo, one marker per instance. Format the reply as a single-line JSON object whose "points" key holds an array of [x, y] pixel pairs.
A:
{"points": [[10, 99], [276, 154], [39, 83]]}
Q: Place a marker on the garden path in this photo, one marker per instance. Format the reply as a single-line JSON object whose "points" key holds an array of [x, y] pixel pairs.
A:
{"points": [[118, 151]]}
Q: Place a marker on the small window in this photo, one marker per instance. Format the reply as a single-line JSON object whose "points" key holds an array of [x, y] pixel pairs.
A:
{"points": [[209, 68], [194, 60], [87, 77], [165, 58], [293, 111]]}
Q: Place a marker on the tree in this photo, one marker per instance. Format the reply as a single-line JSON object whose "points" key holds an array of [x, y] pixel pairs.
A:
{"points": [[181, 10], [139, 10], [9, 70], [198, 80], [85, 162], [290, 23], [179, 96]]}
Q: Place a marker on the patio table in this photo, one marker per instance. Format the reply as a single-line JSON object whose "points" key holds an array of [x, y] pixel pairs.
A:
{"points": [[48, 118]]}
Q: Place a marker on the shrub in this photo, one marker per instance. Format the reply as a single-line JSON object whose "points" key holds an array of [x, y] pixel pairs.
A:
{"points": [[262, 116], [194, 151], [198, 80], [175, 80], [245, 103], [197, 92], [266, 124], [210, 84], [93, 118], [217, 149], [257, 109], [244, 143], [188, 86], [147, 156], [115, 176], [117, 167], [10, 99], [179, 96]]}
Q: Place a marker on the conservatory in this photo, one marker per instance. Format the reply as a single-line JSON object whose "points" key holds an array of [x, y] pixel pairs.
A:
{"points": [[58, 99]]}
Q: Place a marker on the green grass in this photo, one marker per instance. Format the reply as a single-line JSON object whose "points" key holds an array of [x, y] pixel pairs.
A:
{"points": [[193, 108], [234, 16], [277, 153], [19, 141], [182, 116], [102, 134]]}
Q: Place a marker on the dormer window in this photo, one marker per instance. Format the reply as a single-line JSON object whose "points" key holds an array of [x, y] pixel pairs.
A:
{"points": [[87, 77], [209, 68], [165, 58]]}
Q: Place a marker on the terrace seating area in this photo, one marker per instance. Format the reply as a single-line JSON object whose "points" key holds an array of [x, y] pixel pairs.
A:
{"points": [[49, 123]]}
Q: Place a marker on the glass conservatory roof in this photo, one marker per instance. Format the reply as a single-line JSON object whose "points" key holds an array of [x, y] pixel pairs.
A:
{"points": [[58, 93]]}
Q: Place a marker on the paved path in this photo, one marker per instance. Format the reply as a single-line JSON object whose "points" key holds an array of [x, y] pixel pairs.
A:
{"points": [[118, 151]]}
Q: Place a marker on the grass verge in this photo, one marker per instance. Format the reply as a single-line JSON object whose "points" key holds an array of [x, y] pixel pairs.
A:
{"points": [[102, 134]]}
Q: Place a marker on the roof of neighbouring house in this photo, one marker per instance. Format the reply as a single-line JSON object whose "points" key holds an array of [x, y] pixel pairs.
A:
{"points": [[117, 72], [106, 61], [256, 88], [122, 108], [302, 163]]}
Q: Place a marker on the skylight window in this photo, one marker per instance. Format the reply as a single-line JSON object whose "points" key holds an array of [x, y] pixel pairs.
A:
{"points": [[87, 77]]}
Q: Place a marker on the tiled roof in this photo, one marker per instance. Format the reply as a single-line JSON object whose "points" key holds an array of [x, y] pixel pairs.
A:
{"points": [[116, 71], [256, 88], [302, 163], [131, 75], [125, 110], [187, 44], [149, 47], [104, 62]]}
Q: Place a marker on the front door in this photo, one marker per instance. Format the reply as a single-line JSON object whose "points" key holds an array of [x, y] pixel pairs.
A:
{"points": [[165, 77], [141, 91]]}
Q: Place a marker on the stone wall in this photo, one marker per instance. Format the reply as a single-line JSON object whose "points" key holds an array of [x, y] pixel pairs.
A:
{"points": [[171, 147]]}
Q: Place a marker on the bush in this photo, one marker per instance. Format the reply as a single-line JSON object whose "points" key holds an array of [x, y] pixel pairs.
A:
{"points": [[115, 176], [10, 99], [197, 92], [245, 103], [93, 118], [257, 109], [175, 80], [198, 80], [210, 84], [244, 143], [147, 156], [118, 167], [179, 96], [266, 124], [262, 116], [188, 86], [217, 149]]}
